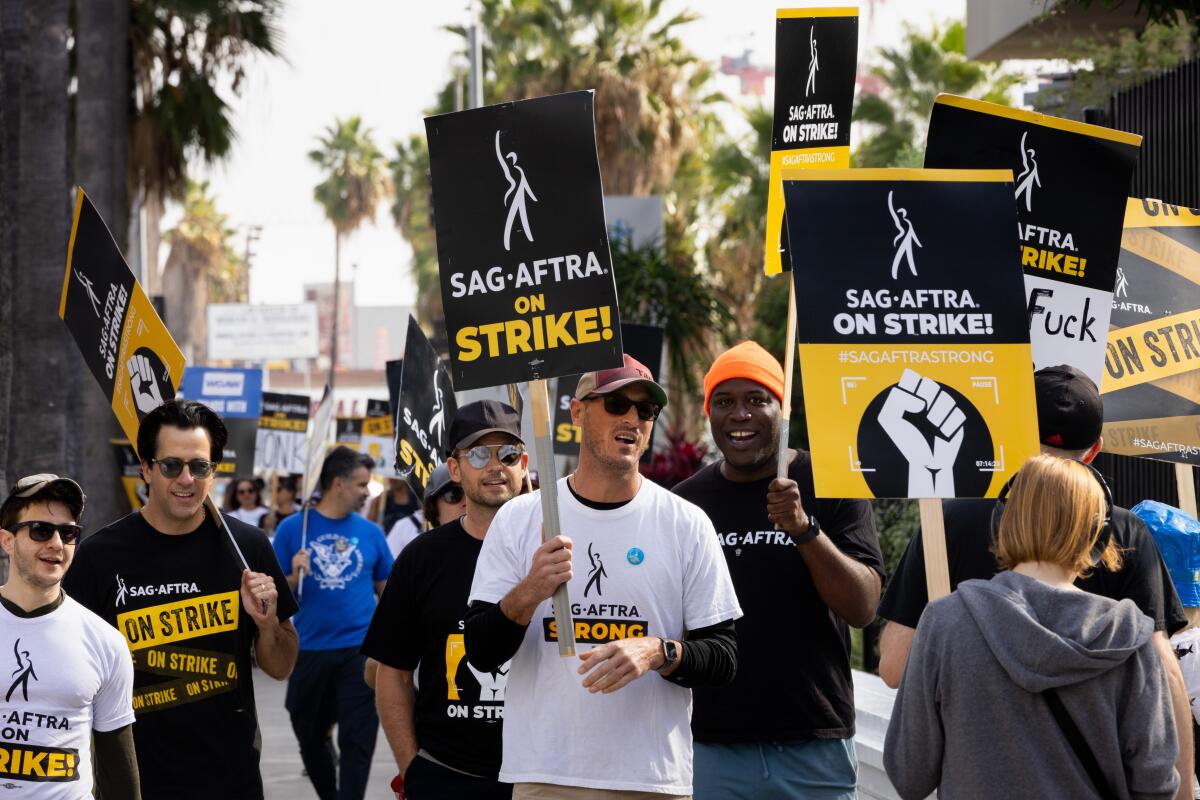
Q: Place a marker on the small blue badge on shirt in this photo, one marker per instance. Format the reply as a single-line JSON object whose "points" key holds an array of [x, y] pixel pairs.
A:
{"points": [[635, 556]]}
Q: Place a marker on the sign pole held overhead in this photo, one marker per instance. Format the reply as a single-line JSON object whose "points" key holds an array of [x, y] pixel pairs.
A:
{"points": [[539, 399]]}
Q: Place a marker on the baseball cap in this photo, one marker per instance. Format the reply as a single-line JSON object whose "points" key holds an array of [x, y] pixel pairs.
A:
{"points": [[440, 479], [31, 485], [1070, 412], [475, 420], [609, 380]]}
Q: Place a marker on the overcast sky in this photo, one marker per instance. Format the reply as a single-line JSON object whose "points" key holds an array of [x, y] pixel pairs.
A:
{"points": [[385, 60]]}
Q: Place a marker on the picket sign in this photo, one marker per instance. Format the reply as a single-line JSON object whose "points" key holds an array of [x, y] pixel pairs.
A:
{"points": [[1187, 489], [789, 361], [539, 398], [315, 458], [933, 541]]}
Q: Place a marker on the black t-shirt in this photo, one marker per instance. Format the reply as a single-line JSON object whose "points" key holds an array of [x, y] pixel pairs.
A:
{"points": [[176, 600], [1143, 576], [418, 625], [793, 657]]}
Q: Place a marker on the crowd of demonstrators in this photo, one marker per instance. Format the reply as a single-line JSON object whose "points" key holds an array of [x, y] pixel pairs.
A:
{"points": [[73, 680], [444, 501], [803, 568], [283, 502], [168, 578], [337, 567], [656, 597], [243, 500], [417, 635], [398, 502], [1003, 674], [1070, 416]]}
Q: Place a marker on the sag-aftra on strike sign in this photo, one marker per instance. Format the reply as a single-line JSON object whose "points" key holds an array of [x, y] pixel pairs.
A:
{"points": [[527, 283]]}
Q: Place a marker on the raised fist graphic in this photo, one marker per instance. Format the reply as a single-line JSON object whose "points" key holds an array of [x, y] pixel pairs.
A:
{"points": [[930, 463], [145, 386]]}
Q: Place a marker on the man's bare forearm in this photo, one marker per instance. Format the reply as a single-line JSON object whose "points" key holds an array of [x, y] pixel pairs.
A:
{"points": [[849, 588], [395, 700], [276, 648]]}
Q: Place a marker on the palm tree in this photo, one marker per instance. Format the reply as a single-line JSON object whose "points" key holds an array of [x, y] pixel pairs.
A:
{"points": [[412, 211], [924, 66], [356, 180], [181, 52], [202, 267]]}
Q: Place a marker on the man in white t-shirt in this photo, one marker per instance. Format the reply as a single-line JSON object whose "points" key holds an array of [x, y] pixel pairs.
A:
{"points": [[67, 675], [652, 594]]}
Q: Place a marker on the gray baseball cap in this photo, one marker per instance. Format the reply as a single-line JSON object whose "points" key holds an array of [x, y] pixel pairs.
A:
{"points": [[31, 485]]}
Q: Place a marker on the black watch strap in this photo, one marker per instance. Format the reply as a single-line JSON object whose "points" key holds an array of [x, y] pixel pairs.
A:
{"points": [[814, 528]]}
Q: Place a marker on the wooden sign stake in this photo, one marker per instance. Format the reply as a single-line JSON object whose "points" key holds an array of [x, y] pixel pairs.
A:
{"points": [[789, 360], [539, 399], [1187, 489], [933, 541]]}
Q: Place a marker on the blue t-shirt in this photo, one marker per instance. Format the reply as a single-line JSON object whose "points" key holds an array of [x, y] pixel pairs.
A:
{"points": [[348, 556]]}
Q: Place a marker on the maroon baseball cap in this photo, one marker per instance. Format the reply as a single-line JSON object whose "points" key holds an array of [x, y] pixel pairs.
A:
{"points": [[609, 380]]}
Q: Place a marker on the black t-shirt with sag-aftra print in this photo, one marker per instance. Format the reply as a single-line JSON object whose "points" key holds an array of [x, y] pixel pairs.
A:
{"points": [[176, 600]]}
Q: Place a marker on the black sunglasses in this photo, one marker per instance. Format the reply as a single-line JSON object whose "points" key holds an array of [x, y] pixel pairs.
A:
{"points": [[173, 467], [41, 531], [480, 455], [453, 495], [618, 405]]}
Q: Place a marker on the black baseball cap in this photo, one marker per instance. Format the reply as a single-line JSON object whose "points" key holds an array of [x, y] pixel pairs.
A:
{"points": [[475, 420], [1070, 412]]}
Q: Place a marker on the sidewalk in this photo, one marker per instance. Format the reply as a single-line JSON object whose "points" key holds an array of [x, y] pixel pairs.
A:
{"points": [[281, 767]]}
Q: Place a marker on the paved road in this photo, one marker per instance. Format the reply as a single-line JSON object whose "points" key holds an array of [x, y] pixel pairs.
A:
{"points": [[281, 756]]}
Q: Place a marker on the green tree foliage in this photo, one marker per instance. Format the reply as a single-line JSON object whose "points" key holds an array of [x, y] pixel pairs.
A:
{"points": [[1162, 12], [914, 74]]}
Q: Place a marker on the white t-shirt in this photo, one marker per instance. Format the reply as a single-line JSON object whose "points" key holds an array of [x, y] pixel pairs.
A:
{"points": [[404, 531], [252, 516], [652, 567], [64, 674], [1187, 645]]}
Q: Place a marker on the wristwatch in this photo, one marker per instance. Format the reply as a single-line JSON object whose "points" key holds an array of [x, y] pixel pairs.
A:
{"points": [[670, 651], [814, 528]]}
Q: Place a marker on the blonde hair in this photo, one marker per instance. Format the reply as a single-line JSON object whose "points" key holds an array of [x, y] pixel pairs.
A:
{"points": [[1053, 514]]}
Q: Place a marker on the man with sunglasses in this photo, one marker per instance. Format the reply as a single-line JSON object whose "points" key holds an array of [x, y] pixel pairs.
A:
{"points": [[804, 569], [168, 578], [68, 676], [651, 594], [1070, 419], [343, 564], [444, 728]]}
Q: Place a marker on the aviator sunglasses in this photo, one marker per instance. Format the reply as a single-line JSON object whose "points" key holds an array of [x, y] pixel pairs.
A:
{"points": [[41, 531], [481, 454], [618, 405], [173, 467]]}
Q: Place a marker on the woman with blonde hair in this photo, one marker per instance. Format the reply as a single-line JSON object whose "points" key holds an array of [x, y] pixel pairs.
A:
{"points": [[1026, 686]]}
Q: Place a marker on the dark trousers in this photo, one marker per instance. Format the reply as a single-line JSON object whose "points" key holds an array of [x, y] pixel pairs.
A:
{"points": [[425, 780], [327, 687]]}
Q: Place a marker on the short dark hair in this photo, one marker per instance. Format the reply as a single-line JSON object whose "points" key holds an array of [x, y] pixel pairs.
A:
{"points": [[10, 511], [185, 415], [341, 463]]}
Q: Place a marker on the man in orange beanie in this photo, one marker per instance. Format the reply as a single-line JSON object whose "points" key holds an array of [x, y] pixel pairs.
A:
{"points": [[800, 581]]}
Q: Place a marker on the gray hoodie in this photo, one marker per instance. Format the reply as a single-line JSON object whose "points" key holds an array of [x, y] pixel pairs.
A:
{"points": [[969, 720]]}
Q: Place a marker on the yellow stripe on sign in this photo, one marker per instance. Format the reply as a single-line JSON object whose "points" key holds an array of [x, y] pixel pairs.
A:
{"points": [[1164, 251], [1185, 385], [377, 426], [888, 174], [804, 13], [62, 302], [1150, 213], [1151, 351], [184, 619], [1034, 118], [1161, 437], [783, 162]]}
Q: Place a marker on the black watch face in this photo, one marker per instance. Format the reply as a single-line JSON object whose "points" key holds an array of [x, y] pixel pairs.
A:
{"points": [[672, 652]]}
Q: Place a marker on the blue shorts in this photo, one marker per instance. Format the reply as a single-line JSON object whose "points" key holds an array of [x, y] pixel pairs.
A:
{"points": [[815, 769]]}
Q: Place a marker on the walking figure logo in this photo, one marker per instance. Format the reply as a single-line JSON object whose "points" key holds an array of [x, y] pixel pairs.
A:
{"points": [[905, 238], [22, 673], [438, 420], [1029, 174], [1122, 289], [121, 592], [813, 66], [89, 287], [596, 572], [518, 190]]}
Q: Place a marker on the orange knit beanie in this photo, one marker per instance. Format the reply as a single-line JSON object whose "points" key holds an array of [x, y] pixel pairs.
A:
{"points": [[745, 360]]}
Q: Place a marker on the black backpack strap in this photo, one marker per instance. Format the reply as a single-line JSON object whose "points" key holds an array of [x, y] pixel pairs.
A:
{"points": [[1078, 744]]}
